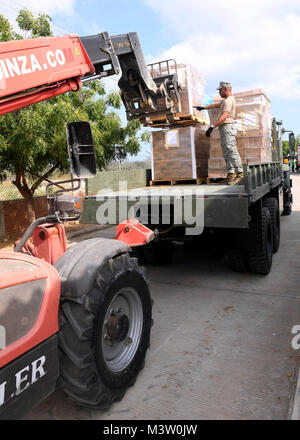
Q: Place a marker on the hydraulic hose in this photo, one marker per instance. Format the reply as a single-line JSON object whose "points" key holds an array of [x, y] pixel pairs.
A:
{"points": [[29, 231]]}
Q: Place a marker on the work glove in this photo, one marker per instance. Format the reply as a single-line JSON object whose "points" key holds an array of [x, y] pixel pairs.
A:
{"points": [[208, 132], [198, 107]]}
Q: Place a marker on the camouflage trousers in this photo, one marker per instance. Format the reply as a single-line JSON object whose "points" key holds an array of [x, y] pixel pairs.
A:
{"points": [[229, 148]]}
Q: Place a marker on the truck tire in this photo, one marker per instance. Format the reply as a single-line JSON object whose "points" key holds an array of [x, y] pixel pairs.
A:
{"points": [[237, 260], [137, 252], [217, 243], [287, 202], [104, 332], [260, 258], [158, 253], [272, 205], [287, 210]]}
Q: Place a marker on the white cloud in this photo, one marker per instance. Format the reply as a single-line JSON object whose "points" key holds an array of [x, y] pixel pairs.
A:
{"points": [[286, 86], [253, 42], [194, 15]]}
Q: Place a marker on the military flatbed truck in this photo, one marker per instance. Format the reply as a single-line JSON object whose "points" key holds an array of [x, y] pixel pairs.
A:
{"points": [[244, 219]]}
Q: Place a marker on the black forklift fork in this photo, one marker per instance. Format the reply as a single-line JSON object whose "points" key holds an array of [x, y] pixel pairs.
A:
{"points": [[142, 92]]}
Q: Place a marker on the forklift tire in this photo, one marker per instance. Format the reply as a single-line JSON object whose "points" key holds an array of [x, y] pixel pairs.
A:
{"points": [[158, 253], [260, 258], [272, 205], [105, 331]]}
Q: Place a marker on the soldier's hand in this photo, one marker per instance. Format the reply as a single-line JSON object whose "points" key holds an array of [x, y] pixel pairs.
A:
{"points": [[208, 132], [198, 107]]}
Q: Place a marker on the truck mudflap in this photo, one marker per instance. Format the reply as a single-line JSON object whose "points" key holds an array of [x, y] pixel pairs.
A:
{"points": [[28, 380]]}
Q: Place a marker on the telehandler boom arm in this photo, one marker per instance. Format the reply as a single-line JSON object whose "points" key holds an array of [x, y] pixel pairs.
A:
{"points": [[37, 69]]}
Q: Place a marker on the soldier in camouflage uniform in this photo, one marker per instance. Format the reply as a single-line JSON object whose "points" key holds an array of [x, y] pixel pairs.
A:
{"points": [[228, 132], [230, 151]]}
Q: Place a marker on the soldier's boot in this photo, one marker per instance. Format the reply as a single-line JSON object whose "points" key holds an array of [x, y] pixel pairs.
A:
{"points": [[239, 178], [229, 179]]}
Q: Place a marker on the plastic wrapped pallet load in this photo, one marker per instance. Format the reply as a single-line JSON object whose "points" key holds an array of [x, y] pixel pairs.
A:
{"points": [[179, 154], [191, 92], [253, 122]]}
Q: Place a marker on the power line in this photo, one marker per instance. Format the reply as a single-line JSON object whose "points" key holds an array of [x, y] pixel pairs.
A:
{"points": [[8, 6], [52, 23], [64, 31]]}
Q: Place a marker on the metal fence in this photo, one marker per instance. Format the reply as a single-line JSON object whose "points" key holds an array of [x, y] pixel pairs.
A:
{"points": [[8, 191]]}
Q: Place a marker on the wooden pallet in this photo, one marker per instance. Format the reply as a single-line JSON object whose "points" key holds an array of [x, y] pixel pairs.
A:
{"points": [[214, 179], [160, 182], [198, 181], [178, 120]]}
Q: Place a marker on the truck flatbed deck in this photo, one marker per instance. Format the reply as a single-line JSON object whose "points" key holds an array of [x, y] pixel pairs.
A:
{"points": [[223, 206]]}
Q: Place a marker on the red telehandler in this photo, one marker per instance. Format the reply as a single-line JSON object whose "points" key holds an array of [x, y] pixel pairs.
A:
{"points": [[79, 317]]}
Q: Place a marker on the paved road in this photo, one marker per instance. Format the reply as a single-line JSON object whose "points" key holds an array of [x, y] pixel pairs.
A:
{"points": [[221, 342]]}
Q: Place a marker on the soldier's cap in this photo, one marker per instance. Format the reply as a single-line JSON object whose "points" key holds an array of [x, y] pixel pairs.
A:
{"points": [[224, 84]]}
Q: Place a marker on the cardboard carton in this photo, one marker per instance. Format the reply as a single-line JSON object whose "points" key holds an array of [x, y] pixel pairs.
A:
{"points": [[253, 122], [180, 154]]}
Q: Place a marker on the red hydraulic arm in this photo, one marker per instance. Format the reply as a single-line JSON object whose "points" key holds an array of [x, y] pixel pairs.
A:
{"points": [[37, 69]]}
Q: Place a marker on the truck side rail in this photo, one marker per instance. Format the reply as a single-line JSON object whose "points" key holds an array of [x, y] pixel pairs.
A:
{"points": [[260, 178]]}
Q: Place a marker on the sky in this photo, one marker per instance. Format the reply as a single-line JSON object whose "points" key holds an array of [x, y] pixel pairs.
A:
{"points": [[252, 43]]}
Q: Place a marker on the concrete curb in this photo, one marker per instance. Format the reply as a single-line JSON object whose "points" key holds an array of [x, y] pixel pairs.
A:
{"points": [[87, 230], [295, 414]]}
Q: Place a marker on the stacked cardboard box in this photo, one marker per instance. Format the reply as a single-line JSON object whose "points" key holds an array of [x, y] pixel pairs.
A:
{"points": [[253, 122], [180, 154], [191, 90], [191, 93]]}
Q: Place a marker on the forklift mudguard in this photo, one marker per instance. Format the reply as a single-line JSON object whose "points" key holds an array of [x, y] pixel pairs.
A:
{"points": [[79, 266]]}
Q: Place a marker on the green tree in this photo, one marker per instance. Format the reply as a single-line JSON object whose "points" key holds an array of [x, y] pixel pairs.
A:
{"points": [[286, 145], [6, 31], [33, 140], [285, 148], [34, 27]]}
